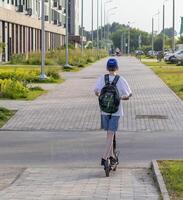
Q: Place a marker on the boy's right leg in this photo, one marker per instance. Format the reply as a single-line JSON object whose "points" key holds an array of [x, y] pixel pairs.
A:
{"points": [[109, 145]]}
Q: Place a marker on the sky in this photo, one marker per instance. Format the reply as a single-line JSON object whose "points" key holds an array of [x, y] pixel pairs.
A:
{"points": [[138, 12]]}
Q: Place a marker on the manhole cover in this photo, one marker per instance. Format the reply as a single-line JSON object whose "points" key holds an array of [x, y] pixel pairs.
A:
{"points": [[151, 117]]}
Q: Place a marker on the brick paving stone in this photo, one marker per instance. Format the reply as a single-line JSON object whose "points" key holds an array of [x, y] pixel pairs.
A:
{"points": [[89, 184], [73, 106]]}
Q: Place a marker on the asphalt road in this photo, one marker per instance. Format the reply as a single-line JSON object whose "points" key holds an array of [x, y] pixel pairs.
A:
{"points": [[83, 149]]}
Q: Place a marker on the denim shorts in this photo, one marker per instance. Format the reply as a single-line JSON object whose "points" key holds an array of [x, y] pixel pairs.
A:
{"points": [[109, 123]]}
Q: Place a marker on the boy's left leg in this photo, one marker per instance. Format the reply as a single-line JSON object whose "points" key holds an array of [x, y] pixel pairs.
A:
{"points": [[109, 145]]}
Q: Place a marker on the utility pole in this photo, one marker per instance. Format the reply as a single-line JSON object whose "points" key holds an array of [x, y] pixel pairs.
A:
{"points": [[67, 35], [92, 27], [152, 35], [101, 23], [122, 38], [128, 38], [43, 75], [82, 35], [163, 29], [124, 47], [173, 34], [98, 27]]}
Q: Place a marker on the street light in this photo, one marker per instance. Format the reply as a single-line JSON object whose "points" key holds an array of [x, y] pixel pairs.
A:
{"points": [[108, 23], [82, 35], [105, 3], [153, 30], [67, 36], [42, 75], [164, 26], [173, 38], [129, 23], [101, 23], [97, 28], [108, 11], [92, 24]]}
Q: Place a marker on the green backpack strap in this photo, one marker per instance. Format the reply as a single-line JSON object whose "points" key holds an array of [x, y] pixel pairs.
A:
{"points": [[115, 80], [107, 82]]}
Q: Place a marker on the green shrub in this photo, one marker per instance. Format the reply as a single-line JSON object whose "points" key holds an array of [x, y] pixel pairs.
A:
{"points": [[21, 75], [13, 89], [3, 113], [57, 56], [53, 73], [18, 58]]}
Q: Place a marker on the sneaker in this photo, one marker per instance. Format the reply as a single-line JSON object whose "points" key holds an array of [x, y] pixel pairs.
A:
{"points": [[103, 161], [113, 161]]}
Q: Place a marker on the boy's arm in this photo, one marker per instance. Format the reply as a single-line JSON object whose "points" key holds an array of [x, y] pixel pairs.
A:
{"points": [[126, 91], [98, 87], [126, 97], [97, 93]]}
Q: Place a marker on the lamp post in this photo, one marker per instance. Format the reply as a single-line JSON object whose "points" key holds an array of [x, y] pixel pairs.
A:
{"points": [[122, 40], [92, 25], [129, 38], [101, 34], [152, 34], [108, 24], [97, 27], [108, 11], [82, 44], [67, 36], [42, 75], [153, 31], [164, 26], [105, 3], [173, 34]]}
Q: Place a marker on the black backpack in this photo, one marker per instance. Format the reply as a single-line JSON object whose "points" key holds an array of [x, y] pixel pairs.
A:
{"points": [[109, 99]]}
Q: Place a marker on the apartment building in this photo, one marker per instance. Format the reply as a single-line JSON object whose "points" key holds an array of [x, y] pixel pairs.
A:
{"points": [[74, 18], [20, 26]]}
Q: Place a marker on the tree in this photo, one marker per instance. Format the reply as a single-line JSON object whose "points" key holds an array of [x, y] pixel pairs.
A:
{"points": [[180, 40], [158, 43], [169, 32]]}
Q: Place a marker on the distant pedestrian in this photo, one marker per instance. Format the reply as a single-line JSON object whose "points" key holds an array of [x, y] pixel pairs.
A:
{"points": [[159, 56], [111, 89]]}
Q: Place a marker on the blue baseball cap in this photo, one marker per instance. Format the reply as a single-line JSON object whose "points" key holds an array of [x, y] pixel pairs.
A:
{"points": [[112, 64]]}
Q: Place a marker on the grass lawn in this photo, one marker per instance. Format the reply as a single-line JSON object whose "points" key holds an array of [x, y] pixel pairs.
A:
{"points": [[35, 92], [5, 115], [172, 172], [171, 74], [37, 67]]}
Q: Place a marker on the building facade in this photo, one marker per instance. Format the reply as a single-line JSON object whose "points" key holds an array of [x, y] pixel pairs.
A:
{"points": [[20, 26], [74, 16]]}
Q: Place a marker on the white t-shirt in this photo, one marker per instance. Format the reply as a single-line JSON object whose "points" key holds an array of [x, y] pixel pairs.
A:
{"points": [[122, 86]]}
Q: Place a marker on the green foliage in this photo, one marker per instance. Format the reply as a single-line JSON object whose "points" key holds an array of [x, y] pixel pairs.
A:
{"points": [[2, 46], [169, 32], [5, 115], [170, 74], [172, 172], [13, 89], [180, 40], [18, 58], [57, 56], [117, 30], [29, 75], [53, 74], [146, 48], [158, 43]]}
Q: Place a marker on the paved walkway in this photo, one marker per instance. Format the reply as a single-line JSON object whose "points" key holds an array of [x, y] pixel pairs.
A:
{"points": [[71, 110], [73, 106], [81, 184]]}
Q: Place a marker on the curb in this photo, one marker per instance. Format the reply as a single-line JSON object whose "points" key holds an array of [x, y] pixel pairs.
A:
{"points": [[159, 180]]}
